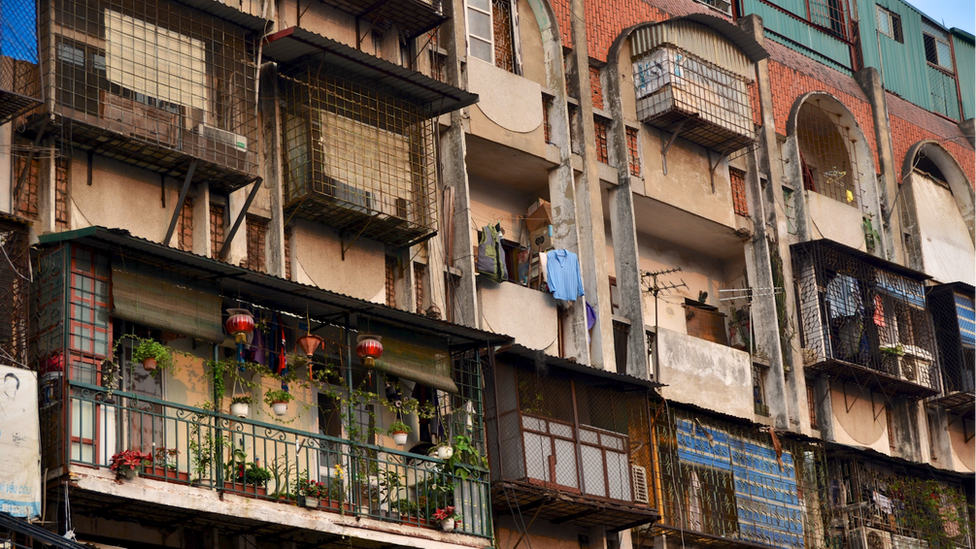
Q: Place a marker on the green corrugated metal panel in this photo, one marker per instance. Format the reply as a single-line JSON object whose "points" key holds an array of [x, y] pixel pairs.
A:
{"points": [[799, 35], [965, 69], [902, 65]]}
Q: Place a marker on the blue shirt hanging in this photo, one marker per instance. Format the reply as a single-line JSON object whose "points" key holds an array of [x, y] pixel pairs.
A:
{"points": [[563, 275]]}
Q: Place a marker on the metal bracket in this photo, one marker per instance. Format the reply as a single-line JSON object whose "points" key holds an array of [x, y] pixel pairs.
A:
{"points": [[30, 158], [877, 415], [713, 167], [667, 146], [342, 239], [179, 203], [240, 218], [850, 406]]}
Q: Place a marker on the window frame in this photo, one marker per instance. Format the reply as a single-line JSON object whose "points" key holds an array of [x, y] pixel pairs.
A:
{"points": [[894, 23], [938, 63], [491, 41]]}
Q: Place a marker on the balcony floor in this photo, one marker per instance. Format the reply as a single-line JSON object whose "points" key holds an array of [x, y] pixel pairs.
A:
{"points": [[559, 507], [872, 379], [957, 402], [96, 493]]}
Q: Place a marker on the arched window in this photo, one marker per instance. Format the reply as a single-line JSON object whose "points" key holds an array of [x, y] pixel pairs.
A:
{"points": [[825, 154]]}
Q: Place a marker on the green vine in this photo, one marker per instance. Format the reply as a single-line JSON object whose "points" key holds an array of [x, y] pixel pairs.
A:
{"points": [[935, 511]]}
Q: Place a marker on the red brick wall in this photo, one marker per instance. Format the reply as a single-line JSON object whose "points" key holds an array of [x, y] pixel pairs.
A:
{"points": [[911, 124], [804, 76]]}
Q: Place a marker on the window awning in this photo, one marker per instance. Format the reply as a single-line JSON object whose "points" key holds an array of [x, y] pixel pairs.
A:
{"points": [[437, 98], [36, 533]]}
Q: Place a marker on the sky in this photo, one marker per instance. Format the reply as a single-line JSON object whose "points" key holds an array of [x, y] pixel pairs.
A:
{"points": [[951, 13]]}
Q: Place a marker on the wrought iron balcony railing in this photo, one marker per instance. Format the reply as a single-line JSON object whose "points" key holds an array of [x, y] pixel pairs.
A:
{"points": [[201, 448]]}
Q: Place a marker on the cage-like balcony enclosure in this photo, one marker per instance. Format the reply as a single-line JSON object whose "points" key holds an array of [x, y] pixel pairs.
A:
{"points": [[864, 319], [155, 84], [358, 138], [20, 77], [885, 504], [574, 442], [955, 333], [680, 92], [414, 17]]}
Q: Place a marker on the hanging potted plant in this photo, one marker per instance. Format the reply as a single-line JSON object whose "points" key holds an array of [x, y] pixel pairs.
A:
{"points": [[399, 430], [240, 406], [153, 355], [278, 399], [128, 463], [448, 518], [444, 450]]}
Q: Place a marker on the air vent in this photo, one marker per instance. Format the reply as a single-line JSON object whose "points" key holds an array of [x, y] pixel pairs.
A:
{"points": [[223, 136], [640, 483]]}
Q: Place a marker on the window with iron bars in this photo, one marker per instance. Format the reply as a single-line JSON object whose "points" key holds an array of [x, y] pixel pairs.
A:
{"points": [[600, 126], [257, 231], [217, 224], [185, 232], [633, 152], [491, 26], [737, 178]]}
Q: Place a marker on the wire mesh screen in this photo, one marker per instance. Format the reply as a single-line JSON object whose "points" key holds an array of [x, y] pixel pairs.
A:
{"points": [[46, 349], [827, 155], [15, 279], [357, 157], [875, 506], [834, 15], [575, 433], [156, 84], [737, 482], [954, 318], [711, 104], [857, 312], [20, 79]]}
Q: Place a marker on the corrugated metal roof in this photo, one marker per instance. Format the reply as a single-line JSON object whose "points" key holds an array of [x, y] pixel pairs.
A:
{"points": [[234, 15], [294, 43], [676, 31], [863, 256], [414, 17], [266, 290], [532, 354]]}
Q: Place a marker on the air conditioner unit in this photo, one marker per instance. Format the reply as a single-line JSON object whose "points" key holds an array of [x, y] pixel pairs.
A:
{"points": [[223, 136], [639, 475], [905, 542], [869, 538]]}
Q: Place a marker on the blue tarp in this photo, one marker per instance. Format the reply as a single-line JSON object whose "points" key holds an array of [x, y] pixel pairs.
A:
{"points": [[967, 319], [18, 29]]}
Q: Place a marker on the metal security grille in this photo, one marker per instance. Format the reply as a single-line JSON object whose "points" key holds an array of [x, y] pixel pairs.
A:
{"points": [[217, 222], [20, 79], [833, 15], [15, 278], [357, 157], [737, 178], [600, 129], [872, 502], [700, 101], [154, 84], [827, 154], [501, 14], [633, 152], [953, 314], [854, 310], [185, 233], [736, 482], [257, 231]]}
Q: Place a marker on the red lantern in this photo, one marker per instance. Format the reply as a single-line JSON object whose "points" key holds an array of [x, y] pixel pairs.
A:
{"points": [[240, 324], [309, 344], [369, 349]]}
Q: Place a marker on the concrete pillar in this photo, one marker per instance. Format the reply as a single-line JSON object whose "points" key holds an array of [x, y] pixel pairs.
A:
{"points": [[269, 145], [774, 314], [869, 79], [201, 220], [968, 128], [7, 178], [623, 227], [590, 238], [46, 190]]}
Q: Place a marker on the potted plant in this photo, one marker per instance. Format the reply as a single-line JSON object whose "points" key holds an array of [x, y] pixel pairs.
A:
{"points": [[399, 430], [153, 355], [312, 491], [240, 406], [278, 399], [448, 518], [128, 463], [444, 451]]}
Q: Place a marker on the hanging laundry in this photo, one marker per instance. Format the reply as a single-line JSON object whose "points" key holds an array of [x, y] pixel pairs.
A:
{"points": [[491, 256], [563, 275]]}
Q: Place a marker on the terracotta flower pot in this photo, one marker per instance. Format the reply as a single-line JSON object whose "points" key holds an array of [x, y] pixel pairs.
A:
{"points": [[149, 364]]}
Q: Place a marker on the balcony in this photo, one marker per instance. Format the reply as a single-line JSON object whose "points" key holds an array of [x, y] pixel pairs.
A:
{"points": [[952, 312], [358, 138], [570, 445], [166, 88], [199, 450], [863, 320]]}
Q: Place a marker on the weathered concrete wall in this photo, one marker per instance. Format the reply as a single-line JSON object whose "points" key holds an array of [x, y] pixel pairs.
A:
{"points": [[530, 316], [858, 427], [492, 203], [833, 220], [706, 374], [318, 261], [947, 251], [543, 535]]}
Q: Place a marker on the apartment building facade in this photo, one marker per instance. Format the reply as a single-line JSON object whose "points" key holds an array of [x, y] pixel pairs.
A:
{"points": [[659, 272]]}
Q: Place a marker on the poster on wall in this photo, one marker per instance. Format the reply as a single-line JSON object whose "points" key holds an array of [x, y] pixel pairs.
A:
{"points": [[20, 449]]}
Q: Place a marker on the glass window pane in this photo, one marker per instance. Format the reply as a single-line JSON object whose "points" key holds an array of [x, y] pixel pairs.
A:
{"points": [[945, 54], [479, 25], [481, 50], [483, 5]]}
